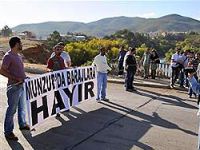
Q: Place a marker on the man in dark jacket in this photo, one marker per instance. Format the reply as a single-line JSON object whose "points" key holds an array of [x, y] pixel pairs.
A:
{"points": [[121, 56], [130, 67]]}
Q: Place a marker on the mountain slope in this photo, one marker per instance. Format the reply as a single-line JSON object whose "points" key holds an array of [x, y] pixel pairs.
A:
{"points": [[108, 26]]}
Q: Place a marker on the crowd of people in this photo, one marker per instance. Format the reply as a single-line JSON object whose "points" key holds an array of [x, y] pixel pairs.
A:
{"points": [[185, 67], [149, 62], [181, 63]]}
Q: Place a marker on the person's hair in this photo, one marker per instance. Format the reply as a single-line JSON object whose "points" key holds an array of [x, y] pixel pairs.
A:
{"points": [[101, 48], [56, 46], [132, 49], [13, 41], [178, 49], [61, 44]]}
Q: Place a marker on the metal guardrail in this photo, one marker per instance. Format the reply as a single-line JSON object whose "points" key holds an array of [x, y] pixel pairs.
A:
{"points": [[163, 70]]}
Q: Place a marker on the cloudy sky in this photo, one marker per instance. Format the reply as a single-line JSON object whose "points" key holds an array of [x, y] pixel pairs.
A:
{"points": [[15, 12]]}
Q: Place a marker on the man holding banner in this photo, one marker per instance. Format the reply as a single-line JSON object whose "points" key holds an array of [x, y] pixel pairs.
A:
{"points": [[13, 68], [102, 69], [56, 62]]}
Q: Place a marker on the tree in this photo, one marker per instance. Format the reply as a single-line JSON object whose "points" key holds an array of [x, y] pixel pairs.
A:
{"points": [[82, 53], [6, 31], [53, 39]]}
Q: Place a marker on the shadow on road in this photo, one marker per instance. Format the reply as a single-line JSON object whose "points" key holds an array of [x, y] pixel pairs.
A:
{"points": [[15, 145], [155, 119], [171, 99], [99, 129]]}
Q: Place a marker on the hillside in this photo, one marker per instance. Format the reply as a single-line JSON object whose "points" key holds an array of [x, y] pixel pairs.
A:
{"points": [[107, 26]]}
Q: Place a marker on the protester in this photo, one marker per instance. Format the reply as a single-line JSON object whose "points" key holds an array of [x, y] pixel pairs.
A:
{"points": [[198, 76], [56, 62], [176, 67], [100, 61], [146, 63], [154, 58], [130, 67], [195, 62], [121, 56], [64, 55], [196, 88], [13, 68], [192, 65]]}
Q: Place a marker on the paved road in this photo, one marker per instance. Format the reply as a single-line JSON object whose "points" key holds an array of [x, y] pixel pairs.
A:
{"points": [[152, 118]]}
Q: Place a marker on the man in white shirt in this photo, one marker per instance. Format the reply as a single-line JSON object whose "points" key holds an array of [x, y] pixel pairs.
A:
{"points": [[175, 68], [64, 55], [183, 60], [100, 61]]}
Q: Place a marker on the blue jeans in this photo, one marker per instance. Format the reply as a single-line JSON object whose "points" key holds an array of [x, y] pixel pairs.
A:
{"points": [[16, 100], [101, 85]]}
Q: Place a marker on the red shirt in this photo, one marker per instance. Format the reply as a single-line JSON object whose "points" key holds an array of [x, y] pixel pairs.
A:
{"points": [[56, 63]]}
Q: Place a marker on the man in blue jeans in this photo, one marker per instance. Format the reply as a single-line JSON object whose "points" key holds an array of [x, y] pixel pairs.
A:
{"points": [[196, 89], [13, 68], [100, 61]]}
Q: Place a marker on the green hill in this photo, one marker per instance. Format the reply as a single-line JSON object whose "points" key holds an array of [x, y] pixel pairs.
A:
{"points": [[107, 26]]}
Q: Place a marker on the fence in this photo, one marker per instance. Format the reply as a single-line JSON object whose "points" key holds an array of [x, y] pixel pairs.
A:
{"points": [[163, 70]]}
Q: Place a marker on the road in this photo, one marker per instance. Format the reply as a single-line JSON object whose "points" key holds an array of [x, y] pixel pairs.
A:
{"points": [[152, 118]]}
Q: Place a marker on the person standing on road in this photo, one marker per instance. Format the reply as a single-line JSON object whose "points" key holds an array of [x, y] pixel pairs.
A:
{"points": [[146, 63], [154, 58], [56, 63], [176, 67], [100, 61], [196, 89], [64, 55], [121, 55], [130, 67], [13, 68]]}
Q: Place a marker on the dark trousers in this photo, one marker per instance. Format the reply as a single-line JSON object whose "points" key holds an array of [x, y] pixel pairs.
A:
{"points": [[175, 74], [182, 77], [153, 74], [129, 79], [121, 68]]}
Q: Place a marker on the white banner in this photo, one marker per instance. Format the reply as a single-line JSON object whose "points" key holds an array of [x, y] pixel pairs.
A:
{"points": [[54, 92]]}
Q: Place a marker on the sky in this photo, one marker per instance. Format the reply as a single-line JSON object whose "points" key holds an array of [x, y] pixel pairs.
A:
{"points": [[16, 12]]}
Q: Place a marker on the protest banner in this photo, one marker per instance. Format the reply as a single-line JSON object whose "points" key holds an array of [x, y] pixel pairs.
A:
{"points": [[54, 92]]}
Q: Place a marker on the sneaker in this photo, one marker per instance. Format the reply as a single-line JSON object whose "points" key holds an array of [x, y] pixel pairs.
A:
{"points": [[105, 99], [11, 136], [26, 127]]}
